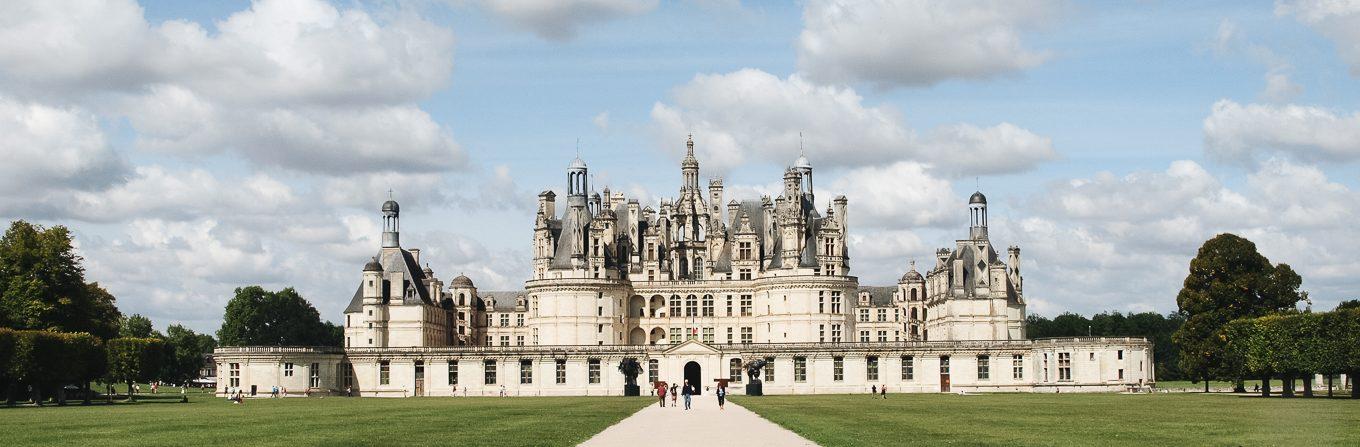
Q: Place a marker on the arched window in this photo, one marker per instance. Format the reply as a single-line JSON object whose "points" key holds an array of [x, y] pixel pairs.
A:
{"points": [[698, 268], [462, 300], [913, 294], [684, 267]]}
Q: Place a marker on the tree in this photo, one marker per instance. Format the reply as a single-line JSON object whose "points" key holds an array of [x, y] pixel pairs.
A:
{"points": [[1156, 327], [134, 359], [1228, 280], [1348, 304], [259, 317], [184, 353], [42, 285], [7, 339], [137, 326]]}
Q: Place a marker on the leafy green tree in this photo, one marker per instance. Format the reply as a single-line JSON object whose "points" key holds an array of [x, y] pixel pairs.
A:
{"points": [[8, 337], [40, 360], [131, 360], [1228, 280], [137, 326], [259, 317], [1348, 304], [185, 353], [42, 285]]}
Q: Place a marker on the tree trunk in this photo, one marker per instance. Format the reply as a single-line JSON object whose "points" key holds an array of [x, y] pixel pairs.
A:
{"points": [[1288, 386], [35, 393], [1308, 385], [1355, 383], [86, 387], [1239, 386], [1265, 386], [1329, 385], [9, 394], [61, 395], [1206, 384]]}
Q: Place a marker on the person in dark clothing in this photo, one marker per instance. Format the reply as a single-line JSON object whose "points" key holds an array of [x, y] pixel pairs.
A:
{"points": [[675, 394], [873, 389], [722, 396], [883, 390], [687, 392]]}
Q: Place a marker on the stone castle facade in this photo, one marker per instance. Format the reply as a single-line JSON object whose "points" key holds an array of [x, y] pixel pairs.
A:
{"points": [[694, 288]]}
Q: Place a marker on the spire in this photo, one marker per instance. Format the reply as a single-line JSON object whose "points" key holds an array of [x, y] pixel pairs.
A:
{"points": [[391, 223], [689, 167]]}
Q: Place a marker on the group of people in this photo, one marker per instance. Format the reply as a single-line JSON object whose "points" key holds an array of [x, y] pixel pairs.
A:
{"points": [[236, 396], [878, 390], [686, 390]]}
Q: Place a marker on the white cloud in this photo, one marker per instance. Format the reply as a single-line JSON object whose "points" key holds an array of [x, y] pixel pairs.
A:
{"points": [[601, 121], [49, 148], [1339, 20], [917, 42], [900, 195], [753, 116], [560, 20], [1230, 41], [1243, 132]]}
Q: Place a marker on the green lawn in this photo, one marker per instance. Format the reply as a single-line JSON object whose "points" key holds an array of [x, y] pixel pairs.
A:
{"points": [[161, 420], [1063, 419]]}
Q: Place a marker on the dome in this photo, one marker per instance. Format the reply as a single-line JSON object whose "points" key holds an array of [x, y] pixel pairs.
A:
{"points": [[373, 266], [802, 163], [428, 271], [977, 198], [391, 207], [911, 275], [577, 163], [461, 281]]}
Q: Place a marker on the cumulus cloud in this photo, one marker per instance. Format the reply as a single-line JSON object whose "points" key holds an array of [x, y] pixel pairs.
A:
{"points": [[1243, 133], [753, 116], [560, 20], [49, 148], [916, 43], [1230, 41], [900, 195], [1339, 20], [297, 84]]}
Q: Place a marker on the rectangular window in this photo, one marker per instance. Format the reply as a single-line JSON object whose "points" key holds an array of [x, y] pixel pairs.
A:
{"points": [[883, 315], [729, 305], [519, 340], [675, 305], [984, 365], [835, 333], [821, 333], [708, 305], [505, 340], [519, 320], [235, 369], [691, 306], [453, 372], [729, 335], [838, 368], [561, 366], [1121, 354], [744, 251], [1121, 373], [746, 336], [944, 365], [315, 376], [505, 320], [871, 368], [746, 305], [769, 369], [882, 336], [835, 302], [594, 370], [526, 371], [908, 368], [863, 336], [744, 274], [708, 335], [675, 336], [653, 370], [384, 372], [489, 368], [288, 370], [1064, 366], [1017, 367], [864, 315], [821, 302], [800, 369], [734, 370]]}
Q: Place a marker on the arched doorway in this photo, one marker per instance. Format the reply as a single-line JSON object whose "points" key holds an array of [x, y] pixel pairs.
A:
{"points": [[637, 336], [694, 374]]}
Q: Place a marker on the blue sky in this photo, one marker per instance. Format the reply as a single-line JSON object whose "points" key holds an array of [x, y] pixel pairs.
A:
{"points": [[201, 146]]}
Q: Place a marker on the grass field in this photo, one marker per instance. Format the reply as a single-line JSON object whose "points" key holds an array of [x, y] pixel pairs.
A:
{"points": [[1066, 419], [161, 420]]}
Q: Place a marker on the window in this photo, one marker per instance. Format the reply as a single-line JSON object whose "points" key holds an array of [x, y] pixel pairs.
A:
{"points": [[708, 335], [505, 340], [526, 371], [746, 305], [489, 367], [519, 320], [1017, 367], [1121, 354], [691, 306], [288, 370], [908, 368], [235, 375], [729, 305], [734, 370], [944, 365], [838, 368], [729, 335], [1121, 373], [453, 372], [653, 370], [800, 369], [708, 305], [984, 365], [835, 333], [675, 305], [882, 336], [769, 369], [835, 302], [384, 372], [863, 336], [883, 315], [675, 335], [1064, 366], [746, 337], [864, 315], [315, 376], [1093, 356], [519, 340], [744, 274], [691, 333], [829, 246], [744, 251], [505, 320], [593, 372], [871, 368], [821, 302], [821, 333]]}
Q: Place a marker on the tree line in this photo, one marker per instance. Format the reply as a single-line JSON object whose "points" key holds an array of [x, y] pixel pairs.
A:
{"points": [[1242, 321], [1156, 327]]}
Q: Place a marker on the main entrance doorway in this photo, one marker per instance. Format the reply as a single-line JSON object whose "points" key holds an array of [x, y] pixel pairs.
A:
{"points": [[694, 374]]}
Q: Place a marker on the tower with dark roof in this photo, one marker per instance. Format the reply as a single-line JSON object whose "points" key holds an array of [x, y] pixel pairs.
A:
{"points": [[391, 224], [977, 216]]}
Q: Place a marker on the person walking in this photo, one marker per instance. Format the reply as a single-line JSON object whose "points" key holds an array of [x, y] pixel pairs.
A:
{"points": [[661, 391], [722, 396], [873, 389], [687, 392], [675, 394], [883, 390]]}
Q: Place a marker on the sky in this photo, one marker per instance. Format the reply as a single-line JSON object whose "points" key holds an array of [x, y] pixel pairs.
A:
{"points": [[197, 147]]}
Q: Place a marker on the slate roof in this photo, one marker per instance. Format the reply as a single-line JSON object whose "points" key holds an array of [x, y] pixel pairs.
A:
{"points": [[879, 296], [398, 260], [505, 300]]}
